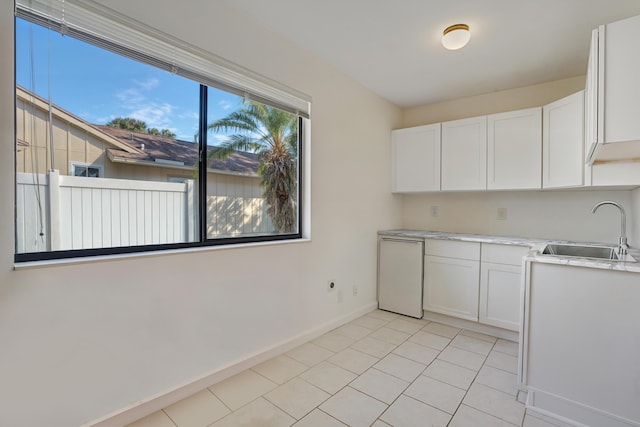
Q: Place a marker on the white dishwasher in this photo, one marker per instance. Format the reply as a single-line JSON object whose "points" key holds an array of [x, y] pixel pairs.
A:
{"points": [[400, 273]]}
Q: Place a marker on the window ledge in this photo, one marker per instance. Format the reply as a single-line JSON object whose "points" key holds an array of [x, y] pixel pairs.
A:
{"points": [[116, 257]]}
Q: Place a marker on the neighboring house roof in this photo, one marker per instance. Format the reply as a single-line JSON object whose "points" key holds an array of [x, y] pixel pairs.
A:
{"points": [[31, 98], [127, 146], [171, 152]]}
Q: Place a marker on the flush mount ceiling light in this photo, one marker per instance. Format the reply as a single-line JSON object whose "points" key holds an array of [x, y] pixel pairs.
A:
{"points": [[456, 36]]}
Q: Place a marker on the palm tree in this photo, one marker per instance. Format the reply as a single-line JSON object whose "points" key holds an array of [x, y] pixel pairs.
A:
{"points": [[273, 135], [128, 123], [139, 126]]}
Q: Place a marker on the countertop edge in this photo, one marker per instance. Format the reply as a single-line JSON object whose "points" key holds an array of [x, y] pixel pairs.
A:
{"points": [[464, 237], [535, 245]]}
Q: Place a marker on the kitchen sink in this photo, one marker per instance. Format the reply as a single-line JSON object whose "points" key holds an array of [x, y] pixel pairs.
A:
{"points": [[586, 251]]}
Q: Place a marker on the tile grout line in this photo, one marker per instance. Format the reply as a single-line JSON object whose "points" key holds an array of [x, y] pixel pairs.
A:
{"points": [[459, 333], [474, 381], [470, 384], [220, 399], [168, 416], [373, 367], [400, 332], [331, 363], [421, 374]]}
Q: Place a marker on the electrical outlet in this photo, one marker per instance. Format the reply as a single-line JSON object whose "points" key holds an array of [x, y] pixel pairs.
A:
{"points": [[355, 290], [502, 214], [435, 211], [331, 285]]}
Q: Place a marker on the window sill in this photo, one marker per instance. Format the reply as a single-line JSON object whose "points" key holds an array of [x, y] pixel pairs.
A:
{"points": [[116, 257]]}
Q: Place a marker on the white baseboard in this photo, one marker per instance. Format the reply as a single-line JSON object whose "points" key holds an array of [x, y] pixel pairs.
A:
{"points": [[162, 400], [571, 412], [472, 326]]}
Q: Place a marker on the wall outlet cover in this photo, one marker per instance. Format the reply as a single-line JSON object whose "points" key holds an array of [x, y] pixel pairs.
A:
{"points": [[502, 214]]}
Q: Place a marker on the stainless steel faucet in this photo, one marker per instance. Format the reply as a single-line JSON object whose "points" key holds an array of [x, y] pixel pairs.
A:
{"points": [[622, 244]]}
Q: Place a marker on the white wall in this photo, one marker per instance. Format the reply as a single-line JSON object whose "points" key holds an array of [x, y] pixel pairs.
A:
{"points": [[634, 220], [492, 103], [564, 215], [82, 341]]}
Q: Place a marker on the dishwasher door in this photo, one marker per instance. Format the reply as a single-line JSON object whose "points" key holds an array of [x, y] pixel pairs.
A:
{"points": [[400, 272]]}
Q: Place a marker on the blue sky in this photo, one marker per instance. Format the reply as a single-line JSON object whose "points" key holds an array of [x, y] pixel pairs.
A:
{"points": [[98, 85]]}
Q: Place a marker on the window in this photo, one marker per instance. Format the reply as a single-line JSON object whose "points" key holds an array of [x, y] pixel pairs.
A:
{"points": [[89, 171], [179, 156], [179, 179]]}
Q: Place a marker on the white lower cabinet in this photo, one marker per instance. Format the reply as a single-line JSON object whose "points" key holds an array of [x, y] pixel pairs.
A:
{"points": [[451, 271], [501, 285], [500, 295], [473, 281], [581, 345], [451, 287]]}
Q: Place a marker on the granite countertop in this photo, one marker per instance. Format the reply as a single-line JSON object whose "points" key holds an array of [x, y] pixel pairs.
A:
{"points": [[536, 246], [464, 237]]}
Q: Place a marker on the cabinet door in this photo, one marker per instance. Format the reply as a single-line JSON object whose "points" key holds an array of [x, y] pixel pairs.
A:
{"points": [[619, 86], [514, 148], [562, 142], [591, 98], [451, 286], [464, 154], [500, 288], [416, 159], [613, 86]]}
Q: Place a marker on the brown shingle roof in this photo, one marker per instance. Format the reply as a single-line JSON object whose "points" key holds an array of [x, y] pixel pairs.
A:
{"points": [[159, 148]]}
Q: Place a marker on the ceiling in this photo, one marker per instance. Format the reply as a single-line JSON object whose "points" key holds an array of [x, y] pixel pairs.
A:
{"points": [[393, 47]]}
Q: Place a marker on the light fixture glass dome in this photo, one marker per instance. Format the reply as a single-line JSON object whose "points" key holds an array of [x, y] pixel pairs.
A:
{"points": [[456, 36]]}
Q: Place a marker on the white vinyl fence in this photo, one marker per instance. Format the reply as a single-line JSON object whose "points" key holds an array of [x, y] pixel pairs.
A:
{"points": [[59, 212]]}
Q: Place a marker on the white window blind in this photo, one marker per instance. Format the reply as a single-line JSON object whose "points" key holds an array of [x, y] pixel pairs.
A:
{"points": [[104, 27]]}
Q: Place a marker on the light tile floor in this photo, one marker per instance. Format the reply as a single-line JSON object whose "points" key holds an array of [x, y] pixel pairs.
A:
{"points": [[380, 370]]}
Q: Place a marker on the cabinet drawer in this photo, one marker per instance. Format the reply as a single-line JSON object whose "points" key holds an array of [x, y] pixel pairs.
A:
{"points": [[452, 249], [503, 254]]}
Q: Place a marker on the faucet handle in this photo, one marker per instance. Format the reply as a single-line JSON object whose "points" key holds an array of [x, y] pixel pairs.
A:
{"points": [[623, 246]]}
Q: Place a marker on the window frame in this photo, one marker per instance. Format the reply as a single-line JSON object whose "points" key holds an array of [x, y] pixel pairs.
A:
{"points": [[74, 165], [203, 241]]}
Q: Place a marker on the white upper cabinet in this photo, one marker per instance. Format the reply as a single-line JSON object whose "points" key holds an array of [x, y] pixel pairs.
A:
{"points": [[591, 99], [464, 154], [416, 159], [613, 92], [562, 142], [514, 160]]}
